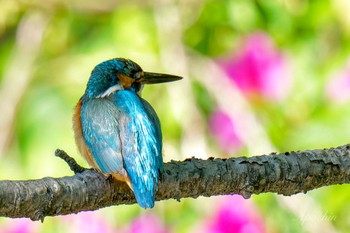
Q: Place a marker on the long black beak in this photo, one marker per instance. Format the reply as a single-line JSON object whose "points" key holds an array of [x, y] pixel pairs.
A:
{"points": [[152, 78]]}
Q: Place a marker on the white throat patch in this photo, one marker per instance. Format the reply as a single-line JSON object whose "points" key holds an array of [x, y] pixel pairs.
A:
{"points": [[110, 90]]}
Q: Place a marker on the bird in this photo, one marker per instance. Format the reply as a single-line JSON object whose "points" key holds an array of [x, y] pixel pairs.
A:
{"points": [[117, 131]]}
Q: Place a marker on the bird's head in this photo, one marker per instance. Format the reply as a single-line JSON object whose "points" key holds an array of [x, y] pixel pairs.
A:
{"points": [[119, 74]]}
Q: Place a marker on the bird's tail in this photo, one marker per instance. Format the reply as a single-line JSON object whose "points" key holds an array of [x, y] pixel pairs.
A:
{"points": [[144, 197], [143, 194]]}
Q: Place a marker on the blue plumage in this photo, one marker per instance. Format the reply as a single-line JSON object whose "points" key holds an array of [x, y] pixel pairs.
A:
{"points": [[143, 145], [121, 125], [117, 131], [101, 132]]}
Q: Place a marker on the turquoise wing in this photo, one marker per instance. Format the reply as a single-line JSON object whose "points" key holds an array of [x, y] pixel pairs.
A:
{"points": [[141, 145], [100, 126]]}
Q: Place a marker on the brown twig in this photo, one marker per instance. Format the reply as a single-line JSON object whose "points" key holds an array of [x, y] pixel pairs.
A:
{"points": [[287, 173]]}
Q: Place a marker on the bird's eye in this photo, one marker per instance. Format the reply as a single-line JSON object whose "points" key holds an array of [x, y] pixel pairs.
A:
{"points": [[138, 76]]}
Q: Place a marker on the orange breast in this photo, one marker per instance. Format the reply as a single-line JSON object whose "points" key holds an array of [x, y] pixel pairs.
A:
{"points": [[79, 138]]}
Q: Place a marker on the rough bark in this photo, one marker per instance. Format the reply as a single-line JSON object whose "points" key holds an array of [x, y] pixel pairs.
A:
{"points": [[286, 173]]}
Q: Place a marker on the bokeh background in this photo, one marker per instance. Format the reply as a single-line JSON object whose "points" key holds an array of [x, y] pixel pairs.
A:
{"points": [[260, 77]]}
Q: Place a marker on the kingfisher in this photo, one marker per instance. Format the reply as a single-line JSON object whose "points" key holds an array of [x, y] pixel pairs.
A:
{"points": [[117, 132]]}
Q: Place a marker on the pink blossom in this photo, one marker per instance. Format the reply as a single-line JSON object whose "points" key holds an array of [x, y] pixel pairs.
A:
{"points": [[148, 223], [223, 129], [22, 225], [259, 68], [87, 222], [235, 215], [338, 88]]}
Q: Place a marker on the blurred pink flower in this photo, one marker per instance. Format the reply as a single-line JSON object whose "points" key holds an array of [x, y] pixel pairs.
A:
{"points": [[259, 68], [223, 129], [21, 225], [87, 222], [235, 215], [148, 223], [338, 88]]}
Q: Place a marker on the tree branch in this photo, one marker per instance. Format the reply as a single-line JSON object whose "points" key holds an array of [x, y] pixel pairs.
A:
{"points": [[287, 173]]}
